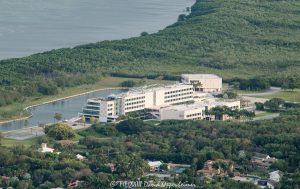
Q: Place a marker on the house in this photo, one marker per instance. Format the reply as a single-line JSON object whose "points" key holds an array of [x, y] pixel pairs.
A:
{"points": [[4, 178], [261, 183], [203, 82], [274, 176], [161, 176], [74, 184], [262, 157], [209, 170], [262, 162], [112, 166], [177, 168], [45, 149], [80, 157], [154, 165], [265, 184]]}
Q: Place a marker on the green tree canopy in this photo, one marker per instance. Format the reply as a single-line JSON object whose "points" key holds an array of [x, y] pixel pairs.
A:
{"points": [[60, 131]]}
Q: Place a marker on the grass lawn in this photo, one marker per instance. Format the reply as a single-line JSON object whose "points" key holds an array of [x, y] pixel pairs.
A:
{"points": [[246, 92], [11, 142], [286, 95], [263, 114], [15, 110]]}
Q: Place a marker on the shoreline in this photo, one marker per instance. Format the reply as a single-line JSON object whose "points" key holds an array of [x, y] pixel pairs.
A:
{"points": [[56, 100], [71, 96]]}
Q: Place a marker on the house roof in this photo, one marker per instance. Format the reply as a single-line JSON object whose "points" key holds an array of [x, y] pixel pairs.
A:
{"points": [[260, 155], [274, 176], [154, 163]]}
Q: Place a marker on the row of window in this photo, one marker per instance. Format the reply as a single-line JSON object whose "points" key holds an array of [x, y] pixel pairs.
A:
{"points": [[192, 115], [137, 102], [178, 99], [136, 98], [110, 105], [90, 112], [197, 118], [176, 91], [92, 107], [180, 94], [134, 107], [94, 103], [109, 109]]}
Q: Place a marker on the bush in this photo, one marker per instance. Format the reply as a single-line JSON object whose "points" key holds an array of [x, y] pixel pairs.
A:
{"points": [[259, 106], [128, 83], [144, 33], [60, 131], [130, 126], [230, 95]]}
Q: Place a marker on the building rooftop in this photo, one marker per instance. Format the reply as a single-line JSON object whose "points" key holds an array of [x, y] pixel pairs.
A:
{"points": [[198, 104], [140, 90], [154, 163], [152, 88], [201, 76], [184, 107]]}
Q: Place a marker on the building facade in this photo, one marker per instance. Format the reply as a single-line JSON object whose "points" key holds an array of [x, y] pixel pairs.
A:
{"points": [[206, 82], [109, 109], [195, 111]]}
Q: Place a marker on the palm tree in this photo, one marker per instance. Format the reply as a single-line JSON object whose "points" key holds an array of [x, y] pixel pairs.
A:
{"points": [[197, 85], [218, 112], [83, 120], [92, 120]]}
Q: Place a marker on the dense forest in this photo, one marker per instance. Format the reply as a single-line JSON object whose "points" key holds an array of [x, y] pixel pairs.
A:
{"points": [[232, 38], [129, 144]]}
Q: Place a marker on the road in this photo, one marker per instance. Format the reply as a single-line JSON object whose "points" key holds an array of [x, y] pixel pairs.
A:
{"points": [[271, 91], [252, 98]]}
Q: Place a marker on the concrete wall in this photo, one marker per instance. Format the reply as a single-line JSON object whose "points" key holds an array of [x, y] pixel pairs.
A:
{"points": [[208, 84], [166, 114]]}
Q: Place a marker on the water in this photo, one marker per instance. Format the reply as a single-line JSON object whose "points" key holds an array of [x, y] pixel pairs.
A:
{"points": [[31, 26], [69, 108]]}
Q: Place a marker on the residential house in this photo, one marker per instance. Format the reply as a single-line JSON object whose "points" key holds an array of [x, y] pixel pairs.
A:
{"points": [[80, 157], [274, 176], [45, 149], [177, 168], [112, 166], [209, 170], [154, 165], [262, 162]]}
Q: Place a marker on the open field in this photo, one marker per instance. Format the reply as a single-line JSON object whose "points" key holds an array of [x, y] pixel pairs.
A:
{"points": [[16, 110], [293, 96], [11, 142], [242, 92], [262, 114]]}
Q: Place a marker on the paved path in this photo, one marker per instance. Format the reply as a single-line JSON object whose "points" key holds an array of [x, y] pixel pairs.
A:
{"points": [[258, 97], [271, 91]]}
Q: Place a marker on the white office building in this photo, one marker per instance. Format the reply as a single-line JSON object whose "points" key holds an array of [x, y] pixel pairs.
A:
{"points": [[178, 101], [109, 109], [207, 82]]}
